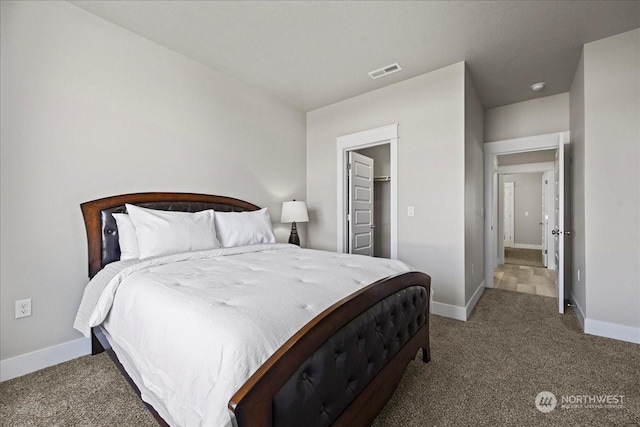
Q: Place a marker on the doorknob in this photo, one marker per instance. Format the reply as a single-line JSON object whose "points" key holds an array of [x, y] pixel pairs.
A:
{"points": [[554, 232]]}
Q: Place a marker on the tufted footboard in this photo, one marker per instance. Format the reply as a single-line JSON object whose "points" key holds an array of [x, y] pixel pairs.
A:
{"points": [[343, 366]]}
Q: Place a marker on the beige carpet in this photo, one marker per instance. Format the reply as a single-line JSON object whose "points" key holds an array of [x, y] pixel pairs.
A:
{"points": [[484, 372], [530, 257], [88, 391]]}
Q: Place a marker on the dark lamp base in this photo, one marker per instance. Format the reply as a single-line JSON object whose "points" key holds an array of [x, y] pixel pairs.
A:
{"points": [[294, 238]]}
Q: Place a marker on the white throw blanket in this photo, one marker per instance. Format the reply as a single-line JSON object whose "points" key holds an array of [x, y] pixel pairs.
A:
{"points": [[191, 328]]}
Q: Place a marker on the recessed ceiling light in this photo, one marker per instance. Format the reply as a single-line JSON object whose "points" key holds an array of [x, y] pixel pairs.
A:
{"points": [[537, 87], [385, 71]]}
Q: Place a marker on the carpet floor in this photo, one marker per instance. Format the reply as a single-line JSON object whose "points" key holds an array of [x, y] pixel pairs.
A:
{"points": [[517, 256], [484, 372]]}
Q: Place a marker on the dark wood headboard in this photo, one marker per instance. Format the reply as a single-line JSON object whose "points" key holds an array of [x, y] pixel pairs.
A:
{"points": [[102, 231]]}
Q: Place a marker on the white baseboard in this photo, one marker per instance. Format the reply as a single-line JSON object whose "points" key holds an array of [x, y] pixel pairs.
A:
{"points": [[605, 329], [474, 299], [612, 330], [526, 246], [448, 310], [455, 311], [40, 359], [578, 311]]}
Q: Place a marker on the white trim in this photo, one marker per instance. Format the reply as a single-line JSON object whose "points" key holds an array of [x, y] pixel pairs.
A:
{"points": [[526, 168], [368, 138], [548, 141], [493, 208], [605, 329], [40, 359], [490, 218], [491, 149], [474, 299], [578, 311], [526, 246], [612, 330], [550, 221], [559, 209], [509, 213], [447, 310], [454, 311]]}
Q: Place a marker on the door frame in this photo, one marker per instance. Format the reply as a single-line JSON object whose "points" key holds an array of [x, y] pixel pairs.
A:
{"points": [[549, 177], [540, 167], [356, 141], [512, 226], [491, 151], [544, 218]]}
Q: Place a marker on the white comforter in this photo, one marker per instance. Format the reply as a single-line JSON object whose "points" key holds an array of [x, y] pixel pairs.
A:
{"points": [[190, 329]]}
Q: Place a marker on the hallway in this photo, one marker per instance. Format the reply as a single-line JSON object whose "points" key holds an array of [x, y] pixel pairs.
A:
{"points": [[526, 279]]}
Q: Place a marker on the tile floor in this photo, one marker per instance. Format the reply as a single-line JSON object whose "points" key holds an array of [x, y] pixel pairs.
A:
{"points": [[522, 278]]}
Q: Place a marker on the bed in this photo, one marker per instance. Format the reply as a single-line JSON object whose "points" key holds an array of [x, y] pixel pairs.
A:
{"points": [[337, 360]]}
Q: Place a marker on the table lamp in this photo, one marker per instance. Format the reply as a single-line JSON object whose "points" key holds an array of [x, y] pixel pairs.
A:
{"points": [[294, 211]]}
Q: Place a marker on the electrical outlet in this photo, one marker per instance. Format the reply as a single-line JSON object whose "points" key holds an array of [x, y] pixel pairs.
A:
{"points": [[410, 211], [23, 308]]}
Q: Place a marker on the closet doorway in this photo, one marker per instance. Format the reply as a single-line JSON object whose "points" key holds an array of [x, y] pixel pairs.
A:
{"points": [[381, 192], [381, 146]]}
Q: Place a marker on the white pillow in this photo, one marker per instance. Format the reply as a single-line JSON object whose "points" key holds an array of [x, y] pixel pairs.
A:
{"points": [[244, 228], [169, 232], [126, 237]]}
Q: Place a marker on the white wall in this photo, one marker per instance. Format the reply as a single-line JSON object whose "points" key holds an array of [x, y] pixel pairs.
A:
{"points": [[431, 171], [535, 117], [473, 192], [527, 207], [612, 184], [91, 110]]}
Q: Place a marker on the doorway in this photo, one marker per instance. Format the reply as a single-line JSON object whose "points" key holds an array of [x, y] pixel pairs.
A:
{"points": [[360, 215], [494, 245], [368, 139], [523, 212], [380, 157]]}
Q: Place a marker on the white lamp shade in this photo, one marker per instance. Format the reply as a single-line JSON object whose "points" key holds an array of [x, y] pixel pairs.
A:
{"points": [[294, 211]]}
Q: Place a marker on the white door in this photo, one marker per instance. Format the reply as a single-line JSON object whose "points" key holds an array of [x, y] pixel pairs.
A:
{"points": [[550, 220], [558, 231], [508, 214], [544, 223], [360, 218]]}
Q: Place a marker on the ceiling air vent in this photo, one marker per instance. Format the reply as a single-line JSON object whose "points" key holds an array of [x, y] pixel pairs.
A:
{"points": [[385, 71]]}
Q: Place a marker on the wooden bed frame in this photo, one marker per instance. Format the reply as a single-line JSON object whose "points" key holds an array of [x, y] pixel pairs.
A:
{"points": [[374, 334]]}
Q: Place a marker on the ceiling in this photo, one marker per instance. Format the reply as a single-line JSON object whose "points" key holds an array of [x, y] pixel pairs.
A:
{"points": [[311, 53]]}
